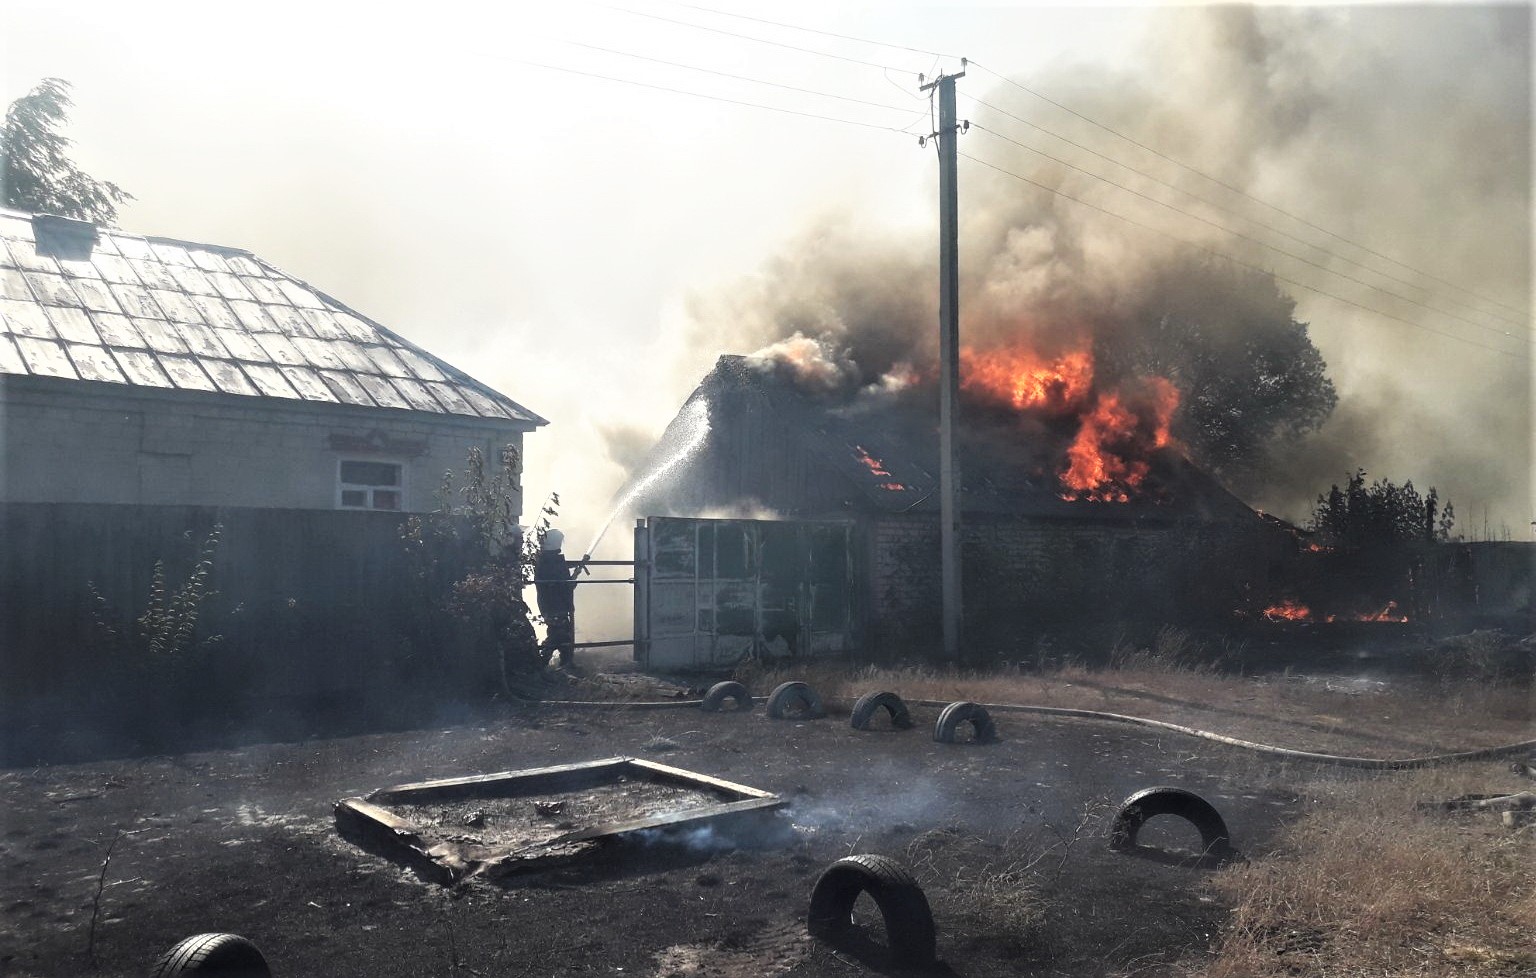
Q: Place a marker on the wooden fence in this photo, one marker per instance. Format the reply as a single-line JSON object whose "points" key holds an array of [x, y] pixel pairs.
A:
{"points": [[309, 605]]}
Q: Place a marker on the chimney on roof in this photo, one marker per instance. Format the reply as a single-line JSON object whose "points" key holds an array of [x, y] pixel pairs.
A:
{"points": [[62, 237]]}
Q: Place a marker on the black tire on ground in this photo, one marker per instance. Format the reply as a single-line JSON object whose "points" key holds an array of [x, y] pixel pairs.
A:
{"points": [[714, 700], [909, 930], [947, 727], [790, 696], [1163, 800], [870, 703], [214, 956]]}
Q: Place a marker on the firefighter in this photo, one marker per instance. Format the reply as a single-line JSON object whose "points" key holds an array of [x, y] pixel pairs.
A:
{"points": [[555, 589]]}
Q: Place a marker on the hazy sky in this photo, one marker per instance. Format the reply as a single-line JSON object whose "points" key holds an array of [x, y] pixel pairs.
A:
{"points": [[554, 234]]}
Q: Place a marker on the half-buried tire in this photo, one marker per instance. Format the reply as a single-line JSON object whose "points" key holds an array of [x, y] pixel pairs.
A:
{"points": [[213, 956], [1151, 802], [871, 703], [714, 700], [909, 930], [947, 728], [794, 700]]}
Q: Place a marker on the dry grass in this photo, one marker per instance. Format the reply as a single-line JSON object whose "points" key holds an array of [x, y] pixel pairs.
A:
{"points": [[985, 883], [1171, 684], [1367, 885], [1363, 884]]}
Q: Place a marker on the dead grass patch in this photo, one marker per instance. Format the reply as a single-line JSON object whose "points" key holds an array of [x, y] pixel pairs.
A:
{"points": [[1006, 885], [1402, 718], [1366, 885]]}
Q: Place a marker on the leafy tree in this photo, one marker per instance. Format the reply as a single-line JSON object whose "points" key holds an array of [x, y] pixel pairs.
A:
{"points": [[1379, 552], [1380, 515], [1248, 372], [476, 561], [35, 169]]}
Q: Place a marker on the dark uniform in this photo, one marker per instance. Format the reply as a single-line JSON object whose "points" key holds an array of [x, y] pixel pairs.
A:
{"points": [[556, 593]]}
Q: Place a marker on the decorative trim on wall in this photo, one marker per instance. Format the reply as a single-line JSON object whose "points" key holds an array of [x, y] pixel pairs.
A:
{"points": [[377, 442]]}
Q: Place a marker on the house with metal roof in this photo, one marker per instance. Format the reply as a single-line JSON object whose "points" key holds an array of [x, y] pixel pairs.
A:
{"points": [[148, 370]]}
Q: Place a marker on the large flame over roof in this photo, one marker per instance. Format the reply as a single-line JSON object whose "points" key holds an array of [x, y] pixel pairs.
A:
{"points": [[1114, 429]]}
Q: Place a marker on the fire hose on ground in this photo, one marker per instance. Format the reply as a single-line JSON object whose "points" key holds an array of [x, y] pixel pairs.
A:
{"points": [[1288, 753]]}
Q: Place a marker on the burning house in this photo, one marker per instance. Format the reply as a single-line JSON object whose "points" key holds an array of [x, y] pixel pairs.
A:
{"points": [[1078, 506]]}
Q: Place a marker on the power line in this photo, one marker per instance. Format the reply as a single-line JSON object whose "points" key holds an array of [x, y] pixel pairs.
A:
{"points": [[812, 30], [1238, 261], [713, 98], [760, 40], [1010, 173], [1243, 193], [1065, 108], [1246, 237], [906, 109], [1210, 203]]}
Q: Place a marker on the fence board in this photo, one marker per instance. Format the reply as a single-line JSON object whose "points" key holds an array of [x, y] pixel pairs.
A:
{"points": [[307, 599]]}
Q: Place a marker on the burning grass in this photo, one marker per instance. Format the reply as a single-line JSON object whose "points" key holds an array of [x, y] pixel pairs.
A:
{"points": [[1365, 884]]}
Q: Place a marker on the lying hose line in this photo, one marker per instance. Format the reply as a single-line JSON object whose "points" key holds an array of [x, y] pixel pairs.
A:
{"points": [[1338, 760], [622, 704]]}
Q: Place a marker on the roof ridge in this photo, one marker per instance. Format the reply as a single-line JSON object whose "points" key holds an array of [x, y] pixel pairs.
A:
{"points": [[162, 239], [101, 228], [162, 354]]}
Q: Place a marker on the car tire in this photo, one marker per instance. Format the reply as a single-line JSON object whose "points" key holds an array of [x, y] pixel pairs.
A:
{"points": [[1164, 800], [212, 956], [946, 729], [870, 703], [790, 696], [714, 700], [909, 928]]}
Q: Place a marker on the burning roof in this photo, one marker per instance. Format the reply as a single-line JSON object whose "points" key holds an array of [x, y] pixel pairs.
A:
{"points": [[800, 451]]}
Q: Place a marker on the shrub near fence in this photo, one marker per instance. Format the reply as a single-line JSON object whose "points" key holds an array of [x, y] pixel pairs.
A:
{"points": [[312, 610]]}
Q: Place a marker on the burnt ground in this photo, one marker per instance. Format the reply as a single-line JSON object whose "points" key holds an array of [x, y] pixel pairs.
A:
{"points": [[1006, 837]]}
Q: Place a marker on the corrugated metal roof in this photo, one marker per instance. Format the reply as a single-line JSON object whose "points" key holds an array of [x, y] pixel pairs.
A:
{"points": [[157, 312]]}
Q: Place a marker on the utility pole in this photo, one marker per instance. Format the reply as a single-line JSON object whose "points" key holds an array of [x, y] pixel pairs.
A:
{"points": [[949, 360]]}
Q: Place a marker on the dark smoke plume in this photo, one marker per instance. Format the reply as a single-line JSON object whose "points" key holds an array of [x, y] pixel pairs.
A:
{"points": [[1403, 128]]}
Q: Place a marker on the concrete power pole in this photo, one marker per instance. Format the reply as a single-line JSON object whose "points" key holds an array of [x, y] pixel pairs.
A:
{"points": [[949, 361]]}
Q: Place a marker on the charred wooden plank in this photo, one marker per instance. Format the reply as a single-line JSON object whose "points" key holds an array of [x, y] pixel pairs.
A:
{"points": [[672, 819], [502, 784], [384, 832], [677, 775]]}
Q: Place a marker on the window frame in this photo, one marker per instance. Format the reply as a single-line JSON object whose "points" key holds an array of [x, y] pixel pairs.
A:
{"points": [[343, 487]]}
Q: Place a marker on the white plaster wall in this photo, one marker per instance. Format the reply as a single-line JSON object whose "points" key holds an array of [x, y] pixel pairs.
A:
{"points": [[72, 441]]}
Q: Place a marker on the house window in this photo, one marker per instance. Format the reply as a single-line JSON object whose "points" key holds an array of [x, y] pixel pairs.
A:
{"points": [[371, 485]]}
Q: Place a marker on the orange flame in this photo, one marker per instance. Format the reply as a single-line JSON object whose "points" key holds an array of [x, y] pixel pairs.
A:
{"points": [[876, 467], [1108, 459], [1385, 614], [1028, 381], [1117, 429], [1288, 610], [1292, 610], [870, 462]]}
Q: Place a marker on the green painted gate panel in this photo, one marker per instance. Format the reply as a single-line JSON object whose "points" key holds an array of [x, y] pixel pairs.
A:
{"points": [[711, 592]]}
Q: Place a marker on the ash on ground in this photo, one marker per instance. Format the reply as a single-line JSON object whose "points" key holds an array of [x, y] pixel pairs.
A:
{"points": [[531, 820]]}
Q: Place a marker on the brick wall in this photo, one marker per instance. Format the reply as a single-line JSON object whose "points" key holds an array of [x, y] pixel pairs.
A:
{"points": [[1023, 576], [74, 442]]}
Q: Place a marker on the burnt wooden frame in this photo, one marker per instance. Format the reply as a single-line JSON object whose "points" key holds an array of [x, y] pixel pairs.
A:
{"points": [[366, 821]]}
